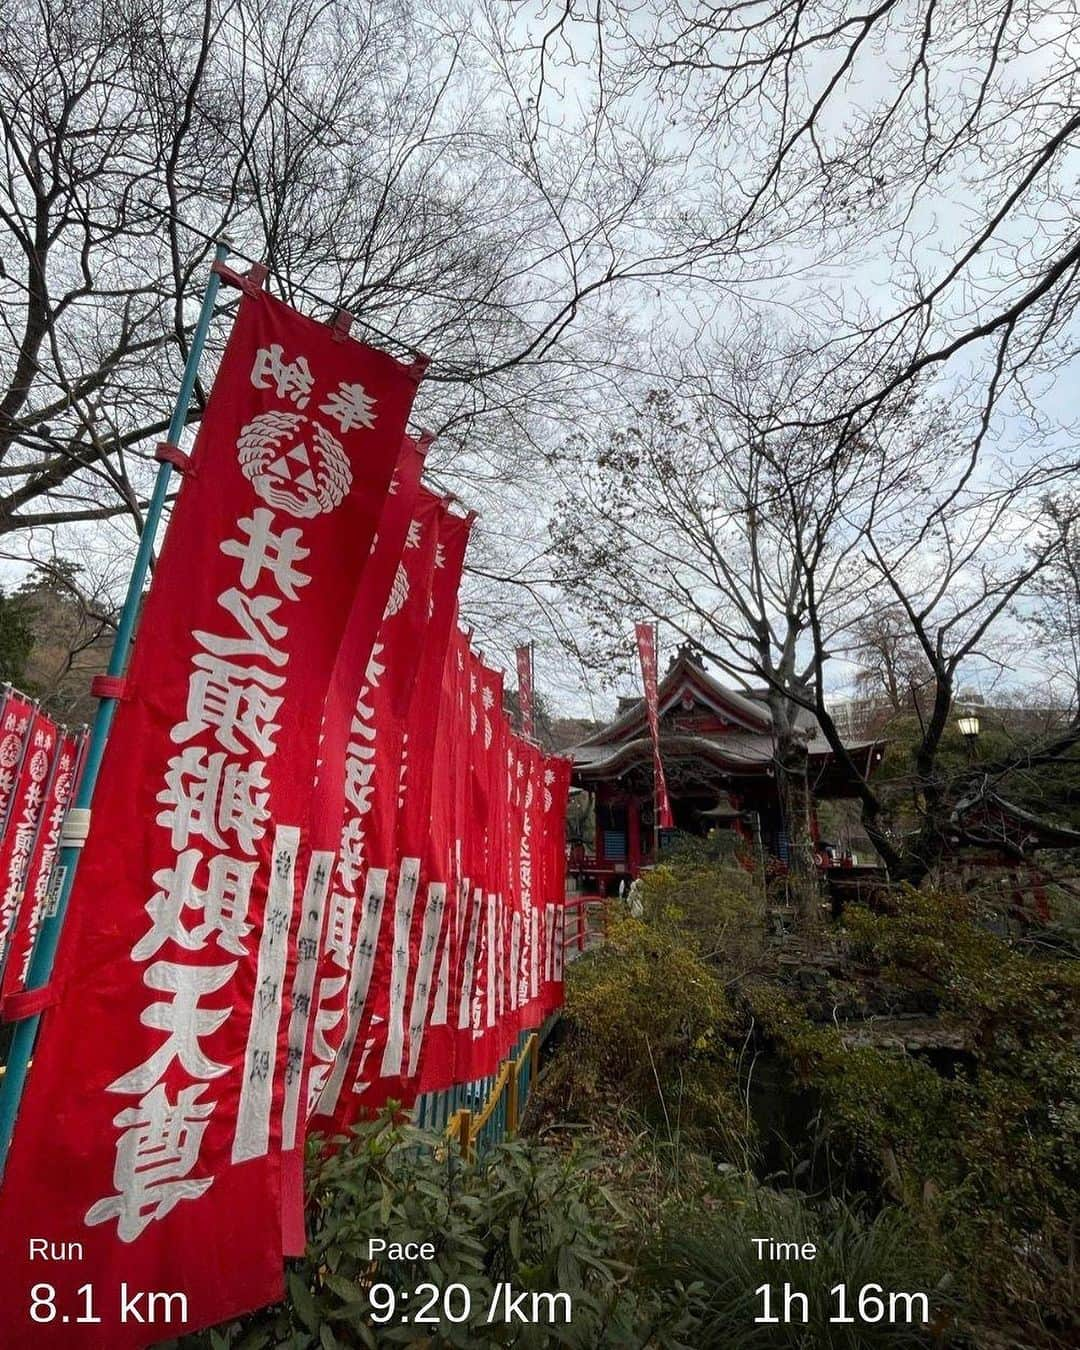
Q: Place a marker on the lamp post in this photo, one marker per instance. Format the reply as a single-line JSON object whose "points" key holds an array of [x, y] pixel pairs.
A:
{"points": [[968, 725]]}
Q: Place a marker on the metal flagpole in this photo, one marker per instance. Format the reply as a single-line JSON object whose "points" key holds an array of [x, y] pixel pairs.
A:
{"points": [[78, 819]]}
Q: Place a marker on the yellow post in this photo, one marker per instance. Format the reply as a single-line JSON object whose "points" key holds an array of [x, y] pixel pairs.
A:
{"points": [[512, 1103], [465, 1134]]}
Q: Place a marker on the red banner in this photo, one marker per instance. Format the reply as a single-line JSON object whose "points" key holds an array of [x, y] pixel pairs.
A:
{"points": [[27, 808], [553, 854], [318, 1006], [646, 641], [477, 733], [15, 718], [152, 1126], [525, 691], [415, 901], [36, 884], [525, 789], [424, 830], [382, 576], [353, 769], [366, 867], [435, 1060], [477, 1049]]}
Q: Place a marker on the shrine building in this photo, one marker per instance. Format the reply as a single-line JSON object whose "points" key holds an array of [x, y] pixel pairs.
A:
{"points": [[718, 752]]}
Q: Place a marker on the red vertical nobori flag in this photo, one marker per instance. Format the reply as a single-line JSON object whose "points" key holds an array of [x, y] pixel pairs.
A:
{"points": [[529, 864], [353, 767], [423, 827], [382, 570], [366, 867], [479, 729], [480, 985], [465, 845], [416, 903], [434, 1059], [646, 641], [525, 690], [35, 886], [15, 718], [317, 1018], [27, 808], [517, 847], [187, 932], [555, 794]]}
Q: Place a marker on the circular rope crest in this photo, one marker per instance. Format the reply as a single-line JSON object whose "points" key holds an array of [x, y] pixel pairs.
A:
{"points": [[294, 463]]}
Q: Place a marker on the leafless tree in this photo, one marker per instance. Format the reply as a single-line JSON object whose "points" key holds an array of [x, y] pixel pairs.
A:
{"points": [[1053, 617], [771, 545], [373, 155], [892, 672], [905, 165], [735, 536]]}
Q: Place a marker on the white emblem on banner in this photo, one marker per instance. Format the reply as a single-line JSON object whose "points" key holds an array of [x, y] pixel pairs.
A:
{"points": [[294, 463]]}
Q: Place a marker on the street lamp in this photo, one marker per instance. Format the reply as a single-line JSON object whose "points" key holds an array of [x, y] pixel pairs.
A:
{"points": [[969, 726]]}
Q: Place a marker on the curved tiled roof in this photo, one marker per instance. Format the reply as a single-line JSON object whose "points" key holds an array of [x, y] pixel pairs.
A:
{"points": [[741, 708], [746, 744]]}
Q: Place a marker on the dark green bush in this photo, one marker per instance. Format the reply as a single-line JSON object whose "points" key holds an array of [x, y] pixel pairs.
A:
{"points": [[987, 1159], [650, 1022], [535, 1217], [712, 1254], [719, 909]]}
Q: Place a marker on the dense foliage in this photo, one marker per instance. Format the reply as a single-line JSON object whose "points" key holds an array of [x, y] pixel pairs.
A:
{"points": [[16, 640], [901, 1092], [917, 1064], [713, 1251], [535, 1217]]}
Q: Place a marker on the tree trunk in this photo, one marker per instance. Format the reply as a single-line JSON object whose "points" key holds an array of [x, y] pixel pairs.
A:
{"points": [[792, 760]]}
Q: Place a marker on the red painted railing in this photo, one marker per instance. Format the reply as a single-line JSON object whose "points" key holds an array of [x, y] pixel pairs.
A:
{"points": [[586, 923]]}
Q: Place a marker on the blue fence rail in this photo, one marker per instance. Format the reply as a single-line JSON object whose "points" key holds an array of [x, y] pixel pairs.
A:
{"points": [[479, 1114]]}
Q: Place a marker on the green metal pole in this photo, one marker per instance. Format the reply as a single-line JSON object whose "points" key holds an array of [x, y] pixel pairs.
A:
{"points": [[41, 964]]}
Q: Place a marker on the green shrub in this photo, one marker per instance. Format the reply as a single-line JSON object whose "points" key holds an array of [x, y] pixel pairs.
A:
{"points": [[987, 1159], [719, 909], [650, 1022], [882, 1114], [721, 848], [712, 1254], [529, 1215], [1019, 1131]]}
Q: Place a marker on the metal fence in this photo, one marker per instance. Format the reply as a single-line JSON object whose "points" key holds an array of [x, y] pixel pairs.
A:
{"points": [[493, 1112]]}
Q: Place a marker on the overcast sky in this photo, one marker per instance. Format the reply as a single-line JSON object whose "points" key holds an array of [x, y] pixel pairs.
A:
{"points": [[820, 284]]}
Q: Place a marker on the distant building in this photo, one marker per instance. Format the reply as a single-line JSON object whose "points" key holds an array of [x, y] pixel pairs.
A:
{"points": [[718, 750]]}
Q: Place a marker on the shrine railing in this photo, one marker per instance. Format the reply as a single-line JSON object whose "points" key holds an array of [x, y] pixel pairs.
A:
{"points": [[499, 1112], [585, 925]]}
